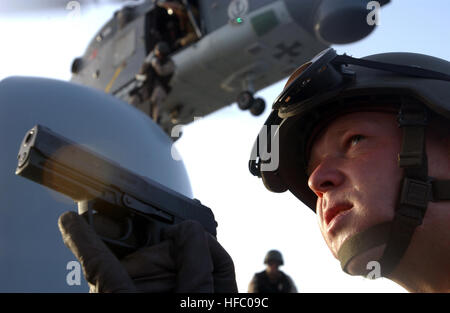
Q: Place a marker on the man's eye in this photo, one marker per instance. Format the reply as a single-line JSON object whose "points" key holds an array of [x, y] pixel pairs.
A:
{"points": [[355, 139]]}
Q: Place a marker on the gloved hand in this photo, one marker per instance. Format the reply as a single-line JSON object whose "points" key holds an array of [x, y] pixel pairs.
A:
{"points": [[141, 77], [188, 259]]}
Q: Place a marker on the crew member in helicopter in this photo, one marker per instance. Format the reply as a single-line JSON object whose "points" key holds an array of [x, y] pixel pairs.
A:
{"points": [[154, 75]]}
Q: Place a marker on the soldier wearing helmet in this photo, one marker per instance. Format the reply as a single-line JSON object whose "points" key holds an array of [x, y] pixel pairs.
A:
{"points": [[272, 280], [155, 75], [365, 144]]}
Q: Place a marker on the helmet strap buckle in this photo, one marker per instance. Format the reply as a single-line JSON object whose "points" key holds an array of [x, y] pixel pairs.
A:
{"points": [[414, 198]]}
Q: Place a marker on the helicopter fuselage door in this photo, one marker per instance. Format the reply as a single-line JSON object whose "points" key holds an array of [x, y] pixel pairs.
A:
{"points": [[264, 48]]}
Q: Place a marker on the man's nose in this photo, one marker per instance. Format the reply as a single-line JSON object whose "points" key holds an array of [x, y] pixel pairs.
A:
{"points": [[325, 176]]}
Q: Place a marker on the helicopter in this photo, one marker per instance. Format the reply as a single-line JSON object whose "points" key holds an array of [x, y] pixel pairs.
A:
{"points": [[236, 48]]}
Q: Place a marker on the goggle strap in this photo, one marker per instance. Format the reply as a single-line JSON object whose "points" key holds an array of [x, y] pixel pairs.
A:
{"points": [[396, 68]]}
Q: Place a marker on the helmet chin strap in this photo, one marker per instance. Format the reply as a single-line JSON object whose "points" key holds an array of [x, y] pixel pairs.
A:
{"points": [[417, 189], [370, 238]]}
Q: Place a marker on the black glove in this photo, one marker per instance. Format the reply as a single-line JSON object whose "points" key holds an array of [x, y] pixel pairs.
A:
{"points": [[188, 259]]}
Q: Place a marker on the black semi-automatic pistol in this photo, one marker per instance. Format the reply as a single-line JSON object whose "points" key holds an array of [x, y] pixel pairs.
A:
{"points": [[127, 211]]}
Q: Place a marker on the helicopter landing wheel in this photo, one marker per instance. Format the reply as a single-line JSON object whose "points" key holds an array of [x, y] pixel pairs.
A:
{"points": [[245, 100], [258, 106]]}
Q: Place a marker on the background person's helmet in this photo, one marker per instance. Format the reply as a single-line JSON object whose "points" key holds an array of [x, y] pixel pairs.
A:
{"points": [[273, 256], [414, 85], [33, 257]]}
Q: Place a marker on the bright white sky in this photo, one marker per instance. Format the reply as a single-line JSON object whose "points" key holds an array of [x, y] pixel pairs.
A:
{"points": [[216, 149]]}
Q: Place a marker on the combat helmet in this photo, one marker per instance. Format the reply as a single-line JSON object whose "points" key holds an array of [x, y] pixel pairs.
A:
{"points": [[417, 87], [274, 256]]}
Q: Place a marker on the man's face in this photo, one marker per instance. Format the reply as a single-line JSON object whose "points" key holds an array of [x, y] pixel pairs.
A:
{"points": [[272, 267], [354, 173]]}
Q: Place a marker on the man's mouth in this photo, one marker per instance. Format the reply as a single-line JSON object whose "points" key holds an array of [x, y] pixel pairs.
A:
{"points": [[334, 211]]}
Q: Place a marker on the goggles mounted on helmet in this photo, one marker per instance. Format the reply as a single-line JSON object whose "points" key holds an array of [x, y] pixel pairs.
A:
{"points": [[326, 73]]}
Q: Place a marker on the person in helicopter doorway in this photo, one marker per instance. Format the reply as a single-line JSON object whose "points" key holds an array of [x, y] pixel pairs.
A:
{"points": [[154, 75], [272, 280], [187, 32]]}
